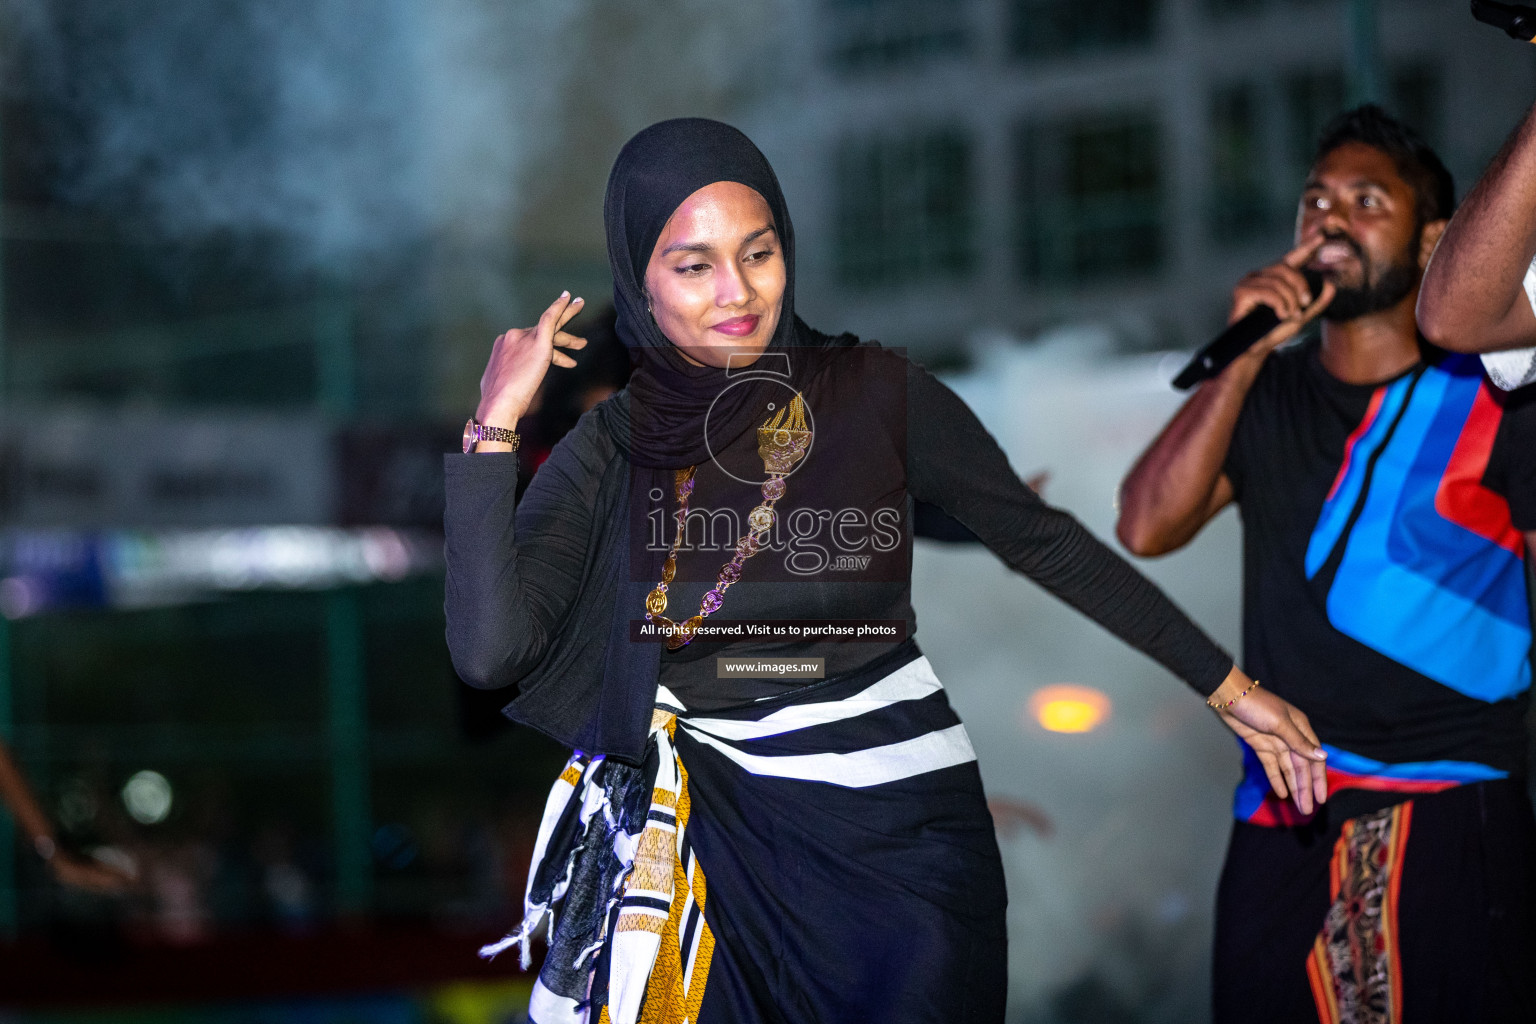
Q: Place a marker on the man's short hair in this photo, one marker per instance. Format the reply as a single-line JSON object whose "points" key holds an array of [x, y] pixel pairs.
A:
{"points": [[1432, 184]]}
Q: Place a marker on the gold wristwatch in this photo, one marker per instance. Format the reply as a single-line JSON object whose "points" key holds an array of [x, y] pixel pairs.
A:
{"points": [[474, 433]]}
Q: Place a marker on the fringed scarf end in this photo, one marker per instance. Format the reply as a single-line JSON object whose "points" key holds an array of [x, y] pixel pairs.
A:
{"points": [[522, 937]]}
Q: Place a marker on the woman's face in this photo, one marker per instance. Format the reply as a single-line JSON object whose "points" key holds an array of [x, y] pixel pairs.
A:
{"points": [[716, 277]]}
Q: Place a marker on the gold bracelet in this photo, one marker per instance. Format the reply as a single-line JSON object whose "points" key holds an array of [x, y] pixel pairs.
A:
{"points": [[1222, 707]]}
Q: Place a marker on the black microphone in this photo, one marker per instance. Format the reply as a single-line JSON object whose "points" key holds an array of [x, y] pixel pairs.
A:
{"points": [[1236, 339], [1516, 21]]}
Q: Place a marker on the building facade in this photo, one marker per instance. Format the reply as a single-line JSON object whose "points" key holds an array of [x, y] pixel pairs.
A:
{"points": [[968, 166]]}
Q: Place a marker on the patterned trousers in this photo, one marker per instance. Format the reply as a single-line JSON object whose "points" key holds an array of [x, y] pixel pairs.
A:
{"points": [[1412, 913]]}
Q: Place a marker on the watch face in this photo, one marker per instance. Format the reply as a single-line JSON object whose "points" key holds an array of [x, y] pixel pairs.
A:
{"points": [[471, 435]]}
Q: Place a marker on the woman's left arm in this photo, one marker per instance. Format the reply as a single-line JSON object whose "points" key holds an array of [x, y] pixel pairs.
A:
{"points": [[953, 462]]}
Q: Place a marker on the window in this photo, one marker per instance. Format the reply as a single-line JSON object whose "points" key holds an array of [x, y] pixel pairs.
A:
{"points": [[1414, 91], [1251, 192], [1312, 98], [1048, 28], [904, 208], [1241, 205], [873, 35], [1091, 198]]}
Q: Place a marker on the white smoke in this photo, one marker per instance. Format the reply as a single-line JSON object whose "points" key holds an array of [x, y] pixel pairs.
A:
{"points": [[345, 127], [350, 127]]}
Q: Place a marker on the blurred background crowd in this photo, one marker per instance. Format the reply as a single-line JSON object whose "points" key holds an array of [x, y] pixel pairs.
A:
{"points": [[252, 256]]}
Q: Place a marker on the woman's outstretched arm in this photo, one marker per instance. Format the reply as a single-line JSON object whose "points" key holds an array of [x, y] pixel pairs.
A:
{"points": [[953, 462]]}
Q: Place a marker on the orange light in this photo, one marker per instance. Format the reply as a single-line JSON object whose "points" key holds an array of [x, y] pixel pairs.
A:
{"points": [[1064, 707]]}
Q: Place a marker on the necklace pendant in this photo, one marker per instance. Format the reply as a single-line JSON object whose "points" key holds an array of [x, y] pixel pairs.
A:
{"points": [[780, 449], [669, 569], [761, 519], [681, 634], [656, 600]]}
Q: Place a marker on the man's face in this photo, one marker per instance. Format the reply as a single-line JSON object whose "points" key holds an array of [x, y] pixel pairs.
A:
{"points": [[1367, 214]]}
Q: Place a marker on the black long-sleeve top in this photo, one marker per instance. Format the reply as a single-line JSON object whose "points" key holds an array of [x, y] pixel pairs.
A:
{"points": [[886, 432]]}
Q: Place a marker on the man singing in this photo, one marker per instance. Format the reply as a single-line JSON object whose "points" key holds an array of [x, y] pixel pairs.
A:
{"points": [[1480, 289], [1388, 495]]}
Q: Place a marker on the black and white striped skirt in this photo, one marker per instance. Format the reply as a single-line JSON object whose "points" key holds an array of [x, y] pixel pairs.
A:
{"points": [[823, 856]]}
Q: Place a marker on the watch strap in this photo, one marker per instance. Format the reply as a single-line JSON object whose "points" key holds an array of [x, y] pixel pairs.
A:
{"points": [[474, 433], [501, 434]]}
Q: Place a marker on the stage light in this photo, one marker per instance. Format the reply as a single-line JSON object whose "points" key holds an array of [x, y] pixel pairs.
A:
{"points": [[147, 797], [1066, 707]]}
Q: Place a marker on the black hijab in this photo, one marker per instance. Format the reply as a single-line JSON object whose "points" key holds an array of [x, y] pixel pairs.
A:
{"points": [[595, 687], [654, 173]]}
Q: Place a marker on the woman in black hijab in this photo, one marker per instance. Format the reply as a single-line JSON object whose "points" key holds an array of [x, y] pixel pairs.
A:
{"points": [[748, 497]]}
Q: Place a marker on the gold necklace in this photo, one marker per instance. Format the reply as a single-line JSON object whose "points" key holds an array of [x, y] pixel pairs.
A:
{"points": [[782, 441]]}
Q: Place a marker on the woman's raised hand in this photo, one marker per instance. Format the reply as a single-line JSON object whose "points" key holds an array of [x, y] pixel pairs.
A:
{"points": [[519, 360], [1280, 735]]}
